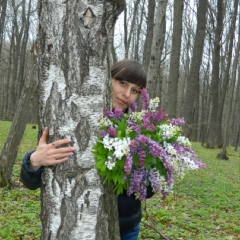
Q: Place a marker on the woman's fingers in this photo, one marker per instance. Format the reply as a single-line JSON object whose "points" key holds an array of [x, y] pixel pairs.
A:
{"points": [[60, 142], [43, 139], [58, 156], [51, 154]]}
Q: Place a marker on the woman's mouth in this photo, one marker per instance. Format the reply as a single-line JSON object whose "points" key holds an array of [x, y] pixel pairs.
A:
{"points": [[121, 101]]}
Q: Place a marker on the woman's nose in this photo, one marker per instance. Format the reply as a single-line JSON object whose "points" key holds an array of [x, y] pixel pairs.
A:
{"points": [[127, 92]]}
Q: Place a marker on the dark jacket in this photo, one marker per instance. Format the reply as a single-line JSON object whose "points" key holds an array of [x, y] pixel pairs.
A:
{"points": [[129, 208]]}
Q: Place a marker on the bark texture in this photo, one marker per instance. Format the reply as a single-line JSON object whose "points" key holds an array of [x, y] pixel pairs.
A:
{"points": [[154, 83], [191, 103], [74, 38], [175, 58], [215, 134]]}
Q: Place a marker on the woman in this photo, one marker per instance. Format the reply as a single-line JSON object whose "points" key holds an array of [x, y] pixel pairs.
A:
{"points": [[128, 77]]}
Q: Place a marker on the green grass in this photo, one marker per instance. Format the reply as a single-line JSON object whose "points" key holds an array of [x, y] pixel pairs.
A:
{"points": [[204, 206], [20, 207]]}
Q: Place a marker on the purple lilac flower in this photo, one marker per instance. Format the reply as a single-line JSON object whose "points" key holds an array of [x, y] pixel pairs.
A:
{"points": [[143, 192], [176, 121], [165, 160], [179, 148], [153, 180], [142, 156], [145, 99], [112, 132], [158, 116], [108, 113], [133, 144], [117, 113], [154, 148], [151, 128], [145, 122], [132, 106], [142, 139], [138, 183], [103, 133], [128, 164], [182, 150], [134, 126], [135, 181]]}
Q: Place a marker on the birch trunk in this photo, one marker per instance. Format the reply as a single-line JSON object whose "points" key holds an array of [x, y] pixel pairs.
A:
{"points": [[74, 38]]}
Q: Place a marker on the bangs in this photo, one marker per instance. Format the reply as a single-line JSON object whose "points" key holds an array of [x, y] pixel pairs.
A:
{"points": [[129, 71]]}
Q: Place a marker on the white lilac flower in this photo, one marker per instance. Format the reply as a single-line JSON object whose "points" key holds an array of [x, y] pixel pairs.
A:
{"points": [[184, 141], [154, 103], [121, 147], [188, 163], [128, 129], [137, 115], [168, 131], [110, 163], [106, 122], [169, 149], [108, 142]]}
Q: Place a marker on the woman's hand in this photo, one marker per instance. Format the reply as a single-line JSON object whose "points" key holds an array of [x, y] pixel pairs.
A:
{"points": [[49, 154]]}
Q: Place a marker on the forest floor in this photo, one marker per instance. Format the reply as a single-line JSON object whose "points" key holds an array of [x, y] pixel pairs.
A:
{"points": [[205, 205]]}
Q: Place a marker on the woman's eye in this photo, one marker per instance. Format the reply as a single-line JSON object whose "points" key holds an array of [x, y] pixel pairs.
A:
{"points": [[122, 83], [135, 91]]}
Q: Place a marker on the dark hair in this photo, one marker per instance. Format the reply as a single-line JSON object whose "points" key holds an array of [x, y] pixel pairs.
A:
{"points": [[130, 71]]}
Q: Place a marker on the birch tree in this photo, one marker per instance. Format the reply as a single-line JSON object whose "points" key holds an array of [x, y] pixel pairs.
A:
{"points": [[74, 40]]}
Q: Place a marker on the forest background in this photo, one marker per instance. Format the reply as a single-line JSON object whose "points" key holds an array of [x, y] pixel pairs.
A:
{"points": [[190, 50]]}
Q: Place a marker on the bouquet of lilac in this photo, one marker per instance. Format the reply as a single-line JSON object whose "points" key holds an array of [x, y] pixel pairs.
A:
{"points": [[141, 148]]}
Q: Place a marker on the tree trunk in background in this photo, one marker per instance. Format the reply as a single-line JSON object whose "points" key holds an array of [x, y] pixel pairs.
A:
{"points": [[16, 69], [214, 132], [138, 35], [10, 149], [74, 40], [149, 34], [236, 127], [191, 101], [175, 59], [233, 84], [128, 33], [3, 8], [154, 83]]}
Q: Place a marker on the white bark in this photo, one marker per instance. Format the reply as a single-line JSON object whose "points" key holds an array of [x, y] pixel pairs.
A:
{"points": [[73, 41]]}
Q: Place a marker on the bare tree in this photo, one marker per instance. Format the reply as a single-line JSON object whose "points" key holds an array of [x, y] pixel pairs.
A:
{"points": [[214, 133], [149, 34], [74, 40], [153, 72], [191, 102], [128, 34], [3, 8], [20, 120], [230, 102], [175, 58]]}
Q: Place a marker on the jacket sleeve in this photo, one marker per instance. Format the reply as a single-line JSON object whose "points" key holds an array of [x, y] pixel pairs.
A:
{"points": [[30, 178], [150, 192]]}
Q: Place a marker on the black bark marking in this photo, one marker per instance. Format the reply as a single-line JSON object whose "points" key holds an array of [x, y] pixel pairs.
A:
{"points": [[86, 199], [82, 133]]}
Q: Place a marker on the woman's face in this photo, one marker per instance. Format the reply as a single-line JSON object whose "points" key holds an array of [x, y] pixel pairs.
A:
{"points": [[123, 92]]}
